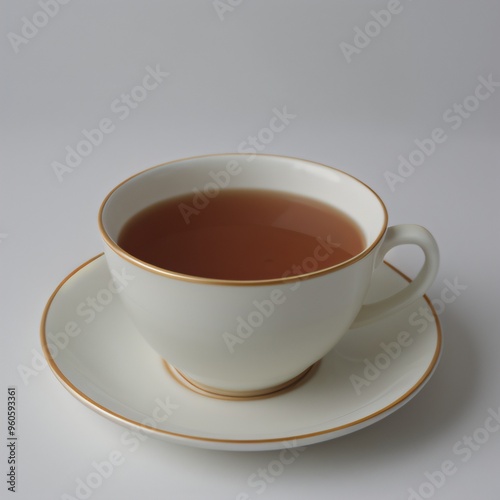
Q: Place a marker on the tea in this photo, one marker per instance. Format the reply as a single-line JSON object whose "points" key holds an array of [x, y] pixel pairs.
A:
{"points": [[242, 234]]}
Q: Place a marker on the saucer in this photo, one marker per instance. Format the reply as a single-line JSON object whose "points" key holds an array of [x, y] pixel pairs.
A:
{"points": [[98, 355]]}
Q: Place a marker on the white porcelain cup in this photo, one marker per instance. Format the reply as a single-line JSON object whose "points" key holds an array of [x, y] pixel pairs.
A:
{"points": [[251, 337]]}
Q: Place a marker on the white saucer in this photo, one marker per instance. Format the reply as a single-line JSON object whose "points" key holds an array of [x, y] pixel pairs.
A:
{"points": [[104, 362]]}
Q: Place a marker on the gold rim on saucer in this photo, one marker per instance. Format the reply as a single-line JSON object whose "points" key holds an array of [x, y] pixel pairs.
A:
{"points": [[121, 418]]}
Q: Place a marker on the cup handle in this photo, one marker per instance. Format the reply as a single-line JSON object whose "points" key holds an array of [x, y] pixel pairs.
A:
{"points": [[403, 234]]}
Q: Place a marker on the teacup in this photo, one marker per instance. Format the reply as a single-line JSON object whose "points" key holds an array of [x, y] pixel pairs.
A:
{"points": [[203, 327]]}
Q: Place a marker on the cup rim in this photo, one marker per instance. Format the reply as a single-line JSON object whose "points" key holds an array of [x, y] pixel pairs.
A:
{"points": [[214, 281]]}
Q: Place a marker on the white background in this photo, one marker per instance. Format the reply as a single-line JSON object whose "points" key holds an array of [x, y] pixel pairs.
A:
{"points": [[225, 77]]}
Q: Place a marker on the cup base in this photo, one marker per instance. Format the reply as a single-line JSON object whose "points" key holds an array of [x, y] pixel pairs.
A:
{"points": [[214, 392]]}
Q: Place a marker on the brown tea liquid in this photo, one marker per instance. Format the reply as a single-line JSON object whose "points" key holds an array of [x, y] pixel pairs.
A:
{"points": [[242, 234]]}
